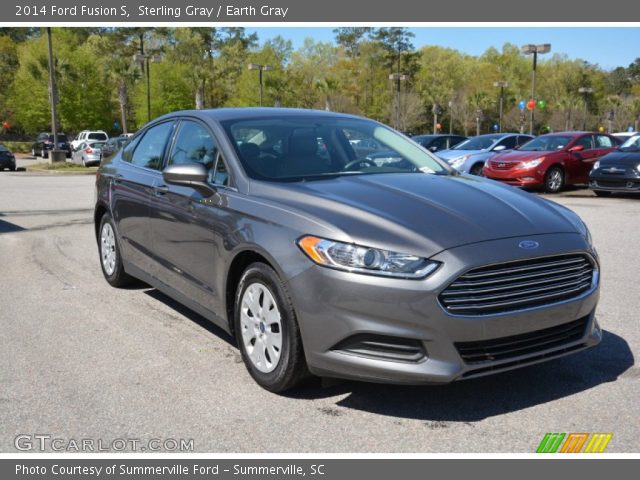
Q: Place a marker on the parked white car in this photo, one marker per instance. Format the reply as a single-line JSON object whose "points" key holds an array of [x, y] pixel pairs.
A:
{"points": [[89, 135]]}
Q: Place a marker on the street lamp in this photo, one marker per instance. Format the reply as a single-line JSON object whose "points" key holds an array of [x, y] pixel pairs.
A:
{"points": [[56, 154], [398, 77], [535, 50], [450, 117], [502, 86], [585, 91], [260, 68], [144, 59], [437, 110]]}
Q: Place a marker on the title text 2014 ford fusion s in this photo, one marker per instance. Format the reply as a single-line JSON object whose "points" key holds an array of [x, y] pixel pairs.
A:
{"points": [[268, 223]]}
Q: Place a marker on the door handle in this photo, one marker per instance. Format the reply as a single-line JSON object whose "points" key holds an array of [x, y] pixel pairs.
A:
{"points": [[161, 190], [117, 178]]}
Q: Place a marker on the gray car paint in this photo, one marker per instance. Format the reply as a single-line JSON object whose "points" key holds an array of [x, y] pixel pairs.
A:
{"points": [[185, 244]]}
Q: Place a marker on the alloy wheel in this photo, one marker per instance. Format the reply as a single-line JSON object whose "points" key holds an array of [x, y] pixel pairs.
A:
{"points": [[108, 249]]}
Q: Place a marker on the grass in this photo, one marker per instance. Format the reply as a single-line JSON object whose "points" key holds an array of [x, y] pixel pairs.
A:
{"points": [[17, 147], [62, 167]]}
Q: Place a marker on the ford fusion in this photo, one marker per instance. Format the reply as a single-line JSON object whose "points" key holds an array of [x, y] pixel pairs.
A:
{"points": [[322, 262]]}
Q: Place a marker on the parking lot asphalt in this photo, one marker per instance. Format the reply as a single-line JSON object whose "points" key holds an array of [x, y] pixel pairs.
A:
{"points": [[83, 360]]}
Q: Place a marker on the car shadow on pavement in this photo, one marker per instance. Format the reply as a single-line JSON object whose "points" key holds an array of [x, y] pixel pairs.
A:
{"points": [[187, 312], [480, 398], [8, 227]]}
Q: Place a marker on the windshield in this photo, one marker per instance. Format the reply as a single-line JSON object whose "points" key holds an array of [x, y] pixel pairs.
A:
{"points": [[295, 148], [483, 142], [549, 143], [631, 145]]}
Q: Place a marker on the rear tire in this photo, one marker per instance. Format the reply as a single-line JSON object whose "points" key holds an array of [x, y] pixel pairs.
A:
{"points": [[554, 180], [267, 330], [44, 153], [110, 257], [33, 152], [602, 193]]}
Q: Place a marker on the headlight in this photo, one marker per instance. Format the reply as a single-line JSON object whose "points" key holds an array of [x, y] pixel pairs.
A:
{"points": [[532, 163], [458, 162], [638, 167], [597, 165], [359, 259]]}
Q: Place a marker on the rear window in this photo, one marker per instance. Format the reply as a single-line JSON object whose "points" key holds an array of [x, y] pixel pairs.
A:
{"points": [[97, 136], [61, 138], [96, 144]]}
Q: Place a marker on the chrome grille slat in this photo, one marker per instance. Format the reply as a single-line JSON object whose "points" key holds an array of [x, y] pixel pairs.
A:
{"points": [[494, 281], [528, 292], [517, 285], [582, 274], [523, 268]]}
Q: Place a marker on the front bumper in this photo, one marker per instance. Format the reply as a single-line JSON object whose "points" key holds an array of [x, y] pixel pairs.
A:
{"points": [[516, 177], [629, 182], [333, 306]]}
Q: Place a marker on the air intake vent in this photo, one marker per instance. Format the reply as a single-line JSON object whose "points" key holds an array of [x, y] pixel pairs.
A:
{"points": [[525, 344], [518, 285], [383, 347]]}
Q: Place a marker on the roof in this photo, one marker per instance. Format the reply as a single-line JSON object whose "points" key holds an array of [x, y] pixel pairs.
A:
{"points": [[240, 113]]}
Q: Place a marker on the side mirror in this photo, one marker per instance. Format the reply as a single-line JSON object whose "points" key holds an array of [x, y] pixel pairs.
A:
{"points": [[576, 148], [433, 148], [192, 175], [499, 148]]}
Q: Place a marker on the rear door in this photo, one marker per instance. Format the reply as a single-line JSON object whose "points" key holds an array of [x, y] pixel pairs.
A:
{"points": [[138, 171]]}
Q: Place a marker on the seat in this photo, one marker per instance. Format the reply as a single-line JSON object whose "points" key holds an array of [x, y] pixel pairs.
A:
{"points": [[303, 158]]}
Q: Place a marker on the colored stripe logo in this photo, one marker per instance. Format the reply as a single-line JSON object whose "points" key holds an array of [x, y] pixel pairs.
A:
{"points": [[574, 442]]}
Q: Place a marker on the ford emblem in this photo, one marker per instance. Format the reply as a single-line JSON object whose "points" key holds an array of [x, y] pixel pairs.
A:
{"points": [[529, 244]]}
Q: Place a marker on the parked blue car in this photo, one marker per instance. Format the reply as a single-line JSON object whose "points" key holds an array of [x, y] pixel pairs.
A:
{"points": [[470, 156]]}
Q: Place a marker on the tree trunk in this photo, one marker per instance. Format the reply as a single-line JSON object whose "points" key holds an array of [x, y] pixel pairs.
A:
{"points": [[200, 96], [123, 100]]}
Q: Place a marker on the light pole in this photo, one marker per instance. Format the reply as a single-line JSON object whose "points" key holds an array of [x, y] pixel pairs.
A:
{"points": [[397, 78], [450, 117], [55, 153], [535, 50], [144, 59], [502, 86], [585, 91], [260, 68]]}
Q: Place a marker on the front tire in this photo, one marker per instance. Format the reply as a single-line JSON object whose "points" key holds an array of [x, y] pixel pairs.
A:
{"points": [[554, 180], [110, 257], [477, 169], [267, 330]]}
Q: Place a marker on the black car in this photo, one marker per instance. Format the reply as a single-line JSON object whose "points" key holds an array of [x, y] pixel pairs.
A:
{"points": [[435, 143], [113, 145], [44, 143], [618, 171], [7, 160]]}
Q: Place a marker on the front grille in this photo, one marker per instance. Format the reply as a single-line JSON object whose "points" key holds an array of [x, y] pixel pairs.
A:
{"points": [[503, 165], [524, 344], [518, 285], [617, 184], [382, 347]]}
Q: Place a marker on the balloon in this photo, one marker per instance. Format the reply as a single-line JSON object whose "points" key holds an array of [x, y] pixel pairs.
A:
{"points": [[6, 125], [531, 104], [541, 104], [601, 129], [522, 105], [438, 126]]}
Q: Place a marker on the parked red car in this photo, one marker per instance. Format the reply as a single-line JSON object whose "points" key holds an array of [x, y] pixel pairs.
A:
{"points": [[551, 161]]}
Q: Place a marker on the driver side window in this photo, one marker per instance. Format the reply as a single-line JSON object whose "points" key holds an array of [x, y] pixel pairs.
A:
{"points": [[194, 144], [586, 142]]}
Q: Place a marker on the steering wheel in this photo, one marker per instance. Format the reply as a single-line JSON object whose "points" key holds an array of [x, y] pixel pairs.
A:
{"points": [[268, 155], [359, 162]]}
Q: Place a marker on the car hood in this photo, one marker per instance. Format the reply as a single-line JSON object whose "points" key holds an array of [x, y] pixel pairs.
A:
{"points": [[520, 156], [451, 154], [418, 213], [621, 158]]}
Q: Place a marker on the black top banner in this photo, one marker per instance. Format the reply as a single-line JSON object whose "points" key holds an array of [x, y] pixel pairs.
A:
{"points": [[313, 11]]}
